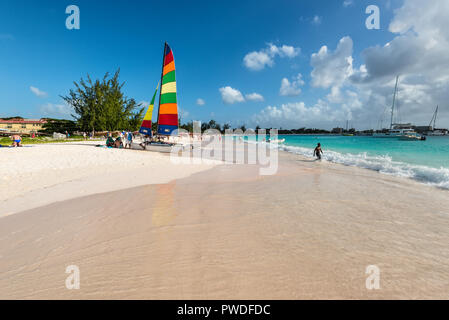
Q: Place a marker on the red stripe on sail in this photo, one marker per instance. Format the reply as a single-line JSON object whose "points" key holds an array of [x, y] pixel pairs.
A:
{"points": [[168, 119], [146, 123], [168, 58]]}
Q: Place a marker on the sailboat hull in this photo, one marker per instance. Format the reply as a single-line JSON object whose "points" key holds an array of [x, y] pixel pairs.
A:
{"points": [[155, 147], [437, 134], [385, 135]]}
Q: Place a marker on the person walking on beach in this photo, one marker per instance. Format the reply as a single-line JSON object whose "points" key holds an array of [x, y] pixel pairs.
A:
{"points": [[129, 139], [146, 141], [318, 151]]}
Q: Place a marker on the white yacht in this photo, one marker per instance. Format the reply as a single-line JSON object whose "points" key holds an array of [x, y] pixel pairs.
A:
{"points": [[395, 133], [438, 132], [405, 131]]}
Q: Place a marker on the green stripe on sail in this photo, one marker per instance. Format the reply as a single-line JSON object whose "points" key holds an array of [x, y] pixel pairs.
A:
{"points": [[154, 96], [169, 77], [168, 98]]}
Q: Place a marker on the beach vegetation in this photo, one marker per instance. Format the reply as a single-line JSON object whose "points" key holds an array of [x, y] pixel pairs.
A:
{"points": [[59, 125], [101, 105]]}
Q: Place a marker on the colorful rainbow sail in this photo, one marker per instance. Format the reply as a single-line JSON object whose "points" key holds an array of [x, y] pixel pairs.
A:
{"points": [[145, 128], [168, 107]]}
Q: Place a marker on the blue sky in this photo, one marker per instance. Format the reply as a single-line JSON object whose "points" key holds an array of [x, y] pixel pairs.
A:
{"points": [[209, 39]]}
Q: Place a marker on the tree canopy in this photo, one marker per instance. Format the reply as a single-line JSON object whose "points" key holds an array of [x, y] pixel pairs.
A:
{"points": [[59, 125], [100, 105]]}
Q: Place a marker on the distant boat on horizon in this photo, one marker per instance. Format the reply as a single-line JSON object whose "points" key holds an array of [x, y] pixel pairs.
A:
{"points": [[433, 131], [398, 130]]}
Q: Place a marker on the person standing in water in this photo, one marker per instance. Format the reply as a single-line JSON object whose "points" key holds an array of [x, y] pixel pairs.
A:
{"points": [[318, 151]]}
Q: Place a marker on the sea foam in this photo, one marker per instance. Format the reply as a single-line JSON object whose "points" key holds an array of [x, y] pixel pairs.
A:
{"points": [[383, 164]]}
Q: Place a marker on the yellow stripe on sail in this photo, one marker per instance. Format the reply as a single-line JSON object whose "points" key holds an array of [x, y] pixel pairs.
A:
{"points": [[169, 88], [149, 113]]}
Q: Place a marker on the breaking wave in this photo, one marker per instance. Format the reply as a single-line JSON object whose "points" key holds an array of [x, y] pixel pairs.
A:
{"points": [[383, 164]]}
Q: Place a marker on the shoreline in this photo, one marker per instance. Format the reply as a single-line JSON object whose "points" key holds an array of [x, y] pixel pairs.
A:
{"points": [[66, 186], [383, 164], [307, 232]]}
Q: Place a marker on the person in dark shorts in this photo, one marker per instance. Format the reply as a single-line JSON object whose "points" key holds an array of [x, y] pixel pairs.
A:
{"points": [[318, 151]]}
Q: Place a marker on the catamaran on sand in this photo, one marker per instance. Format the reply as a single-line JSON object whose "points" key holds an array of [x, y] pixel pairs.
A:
{"points": [[167, 121]]}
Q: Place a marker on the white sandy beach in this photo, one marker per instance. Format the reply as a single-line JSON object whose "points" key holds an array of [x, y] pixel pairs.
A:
{"points": [[41, 174], [140, 227]]}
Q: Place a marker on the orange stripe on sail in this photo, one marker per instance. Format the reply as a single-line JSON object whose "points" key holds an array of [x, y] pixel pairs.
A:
{"points": [[169, 68], [168, 108]]}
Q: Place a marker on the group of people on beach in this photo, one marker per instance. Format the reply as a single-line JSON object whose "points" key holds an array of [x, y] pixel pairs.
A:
{"points": [[124, 140]]}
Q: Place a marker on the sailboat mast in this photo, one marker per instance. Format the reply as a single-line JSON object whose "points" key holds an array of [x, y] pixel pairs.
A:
{"points": [[435, 120], [160, 93], [394, 100]]}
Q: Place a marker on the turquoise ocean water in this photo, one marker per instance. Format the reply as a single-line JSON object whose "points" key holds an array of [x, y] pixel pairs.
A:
{"points": [[425, 161]]}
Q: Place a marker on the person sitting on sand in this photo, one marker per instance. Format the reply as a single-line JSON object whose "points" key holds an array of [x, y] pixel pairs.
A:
{"points": [[146, 141], [318, 151], [118, 143], [110, 142], [16, 140]]}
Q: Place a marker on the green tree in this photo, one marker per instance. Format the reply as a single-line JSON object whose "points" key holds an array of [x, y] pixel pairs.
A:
{"points": [[61, 126], [100, 105]]}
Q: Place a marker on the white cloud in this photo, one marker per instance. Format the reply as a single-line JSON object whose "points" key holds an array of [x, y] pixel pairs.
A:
{"points": [[335, 96], [254, 97], [420, 47], [230, 95], [362, 91], [37, 92], [332, 68], [258, 60], [317, 20], [348, 3], [200, 102], [285, 51], [297, 115], [418, 53], [51, 110], [291, 88]]}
